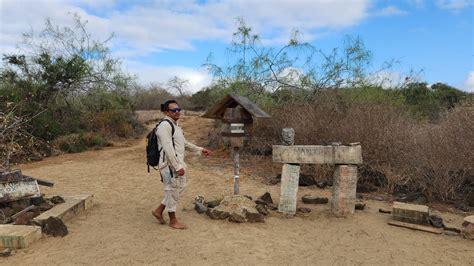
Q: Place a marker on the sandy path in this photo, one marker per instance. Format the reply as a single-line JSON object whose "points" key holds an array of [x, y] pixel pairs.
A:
{"points": [[120, 230]]}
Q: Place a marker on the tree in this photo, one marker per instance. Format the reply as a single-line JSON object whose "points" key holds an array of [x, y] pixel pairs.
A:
{"points": [[71, 78], [178, 85], [295, 66]]}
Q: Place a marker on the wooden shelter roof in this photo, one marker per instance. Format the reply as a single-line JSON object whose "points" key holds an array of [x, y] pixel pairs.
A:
{"points": [[231, 101]]}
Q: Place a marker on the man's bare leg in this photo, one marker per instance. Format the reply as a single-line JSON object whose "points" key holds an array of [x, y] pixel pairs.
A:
{"points": [[174, 222], [158, 213]]}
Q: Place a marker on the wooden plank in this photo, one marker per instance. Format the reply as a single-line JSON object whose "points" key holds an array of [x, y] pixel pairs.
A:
{"points": [[43, 182], [73, 205], [231, 101], [29, 208], [11, 176], [251, 107], [18, 236], [317, 154], [11, 191], [417, 227]]}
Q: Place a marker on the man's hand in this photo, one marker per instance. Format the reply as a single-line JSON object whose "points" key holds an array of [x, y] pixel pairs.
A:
{"points": [[180, 172], [206, 152]]}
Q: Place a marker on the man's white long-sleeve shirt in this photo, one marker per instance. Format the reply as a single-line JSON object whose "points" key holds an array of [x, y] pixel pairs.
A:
{"points": [[173, 156]]}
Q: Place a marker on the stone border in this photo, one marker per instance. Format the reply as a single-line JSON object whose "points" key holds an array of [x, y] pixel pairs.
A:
{"points": [[22, 236]]}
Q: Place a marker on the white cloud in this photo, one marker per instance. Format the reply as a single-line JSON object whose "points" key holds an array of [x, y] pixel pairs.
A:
{"points": [[198, 78], [469, 83], [145, 27], [149, 27], [390, 11], [389, 79], [454, 4], [417, 3]]}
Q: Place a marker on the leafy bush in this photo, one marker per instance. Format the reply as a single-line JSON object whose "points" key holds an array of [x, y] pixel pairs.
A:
{"points": [[68, 83]]}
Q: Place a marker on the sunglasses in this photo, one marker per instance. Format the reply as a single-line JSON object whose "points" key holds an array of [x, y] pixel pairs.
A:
{"points": [[175, 110]]}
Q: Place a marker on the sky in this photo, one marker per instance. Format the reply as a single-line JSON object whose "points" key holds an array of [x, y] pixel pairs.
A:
{"points": [[159, 39]]}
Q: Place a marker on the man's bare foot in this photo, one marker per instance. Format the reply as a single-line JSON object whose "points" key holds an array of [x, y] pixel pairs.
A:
{"points": [[178, 225], [159, 217]]}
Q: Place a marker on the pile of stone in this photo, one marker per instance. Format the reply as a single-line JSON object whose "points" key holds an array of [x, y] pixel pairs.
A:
{"points": [[21, 199], [236, 208]]}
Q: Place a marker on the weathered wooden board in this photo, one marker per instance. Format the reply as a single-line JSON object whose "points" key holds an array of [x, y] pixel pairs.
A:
{"points": [[10, 191], [317, 154], [10, 176], [417, 227]]}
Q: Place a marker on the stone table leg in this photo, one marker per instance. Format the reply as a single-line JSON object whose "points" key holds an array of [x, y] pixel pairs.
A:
{"points": [[289, 188], [344, 190]]}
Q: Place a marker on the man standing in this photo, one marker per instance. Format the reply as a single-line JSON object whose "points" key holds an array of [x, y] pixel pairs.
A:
{"points": [[171, 165]]}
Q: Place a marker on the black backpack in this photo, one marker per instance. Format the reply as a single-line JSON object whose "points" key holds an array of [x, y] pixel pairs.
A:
{"points": [[152, 149]]}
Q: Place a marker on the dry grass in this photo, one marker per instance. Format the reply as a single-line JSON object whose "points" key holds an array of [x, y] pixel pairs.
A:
{"points": [[400, 153]]}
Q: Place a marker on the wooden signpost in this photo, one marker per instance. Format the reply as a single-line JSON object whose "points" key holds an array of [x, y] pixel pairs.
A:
{"points": [[237, 114]]}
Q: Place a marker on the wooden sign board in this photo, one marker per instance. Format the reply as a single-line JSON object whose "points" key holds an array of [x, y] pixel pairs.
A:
{"points": [[11, 191]]}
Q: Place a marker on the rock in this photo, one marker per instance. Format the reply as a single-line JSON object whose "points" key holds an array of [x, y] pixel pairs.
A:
{"points": [[54, 226], [248, 197], [200, 208], [379, 198], [436, 221], [267, 198], [262, 209], [470, 199], [461, 206], [45, 205], [274, 180], [6, 252], [57, 200], [382, 210], [199, 199], [415, 197], [365, 188], [308, 199], [454, 229], [306, 180], [237, 208], [24, 218], [216, 214], [467, 230], [322, 184], [37, 201], [212, 203], [360, 206], [450, 233], [253, 217], [303, 210], [272, 207], [237, 217]]}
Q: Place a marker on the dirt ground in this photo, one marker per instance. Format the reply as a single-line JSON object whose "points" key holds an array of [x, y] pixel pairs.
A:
{"points": [[120, 230]]}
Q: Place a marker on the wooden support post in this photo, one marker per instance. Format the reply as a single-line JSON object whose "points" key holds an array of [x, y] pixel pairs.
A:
{"points": [[236, 155]]}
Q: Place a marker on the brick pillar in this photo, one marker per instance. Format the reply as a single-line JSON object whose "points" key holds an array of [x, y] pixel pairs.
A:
{"points": [[290, 175], [344, 190]]}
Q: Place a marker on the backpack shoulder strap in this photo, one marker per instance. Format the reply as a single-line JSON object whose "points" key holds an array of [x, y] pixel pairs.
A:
{"points": [[172, 128]]}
